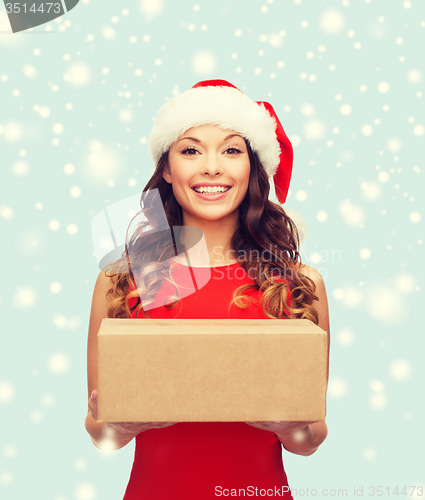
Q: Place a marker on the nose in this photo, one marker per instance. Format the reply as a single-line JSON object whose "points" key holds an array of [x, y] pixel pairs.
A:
{"points": [[212, 165]]}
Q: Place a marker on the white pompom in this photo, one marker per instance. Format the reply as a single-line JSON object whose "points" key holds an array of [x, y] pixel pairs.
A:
{"points": [[299, 222]]}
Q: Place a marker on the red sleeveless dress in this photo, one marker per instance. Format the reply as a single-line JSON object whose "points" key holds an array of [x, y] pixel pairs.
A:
{"points": [[206, 460]]}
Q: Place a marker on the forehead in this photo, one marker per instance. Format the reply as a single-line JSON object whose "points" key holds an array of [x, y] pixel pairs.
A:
{"points": [[203, 132]]}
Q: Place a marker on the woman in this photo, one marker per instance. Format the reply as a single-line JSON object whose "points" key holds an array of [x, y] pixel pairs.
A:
{"points": [[213, 134]]}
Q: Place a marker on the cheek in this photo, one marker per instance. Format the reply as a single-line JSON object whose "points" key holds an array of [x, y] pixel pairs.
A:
{"points": [[243, 176], [180, 183], [177, 175], [243, 184]]}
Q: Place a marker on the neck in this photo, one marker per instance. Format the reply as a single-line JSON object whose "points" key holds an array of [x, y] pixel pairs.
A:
{"points": [[215, 246]]}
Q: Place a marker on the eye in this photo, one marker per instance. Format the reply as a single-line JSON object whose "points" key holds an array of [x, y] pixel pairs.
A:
{"points": [[192, 151], [234, 150]]}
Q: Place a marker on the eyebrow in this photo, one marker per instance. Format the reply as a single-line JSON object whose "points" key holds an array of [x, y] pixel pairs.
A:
{"points": [[197, 140]]}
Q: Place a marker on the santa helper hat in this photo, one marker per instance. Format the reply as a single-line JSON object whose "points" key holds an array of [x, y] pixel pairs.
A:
{"points": [[218, 102]]}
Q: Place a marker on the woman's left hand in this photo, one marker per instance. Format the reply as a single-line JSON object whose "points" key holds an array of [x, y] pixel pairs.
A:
{"points": [[292, 431]]}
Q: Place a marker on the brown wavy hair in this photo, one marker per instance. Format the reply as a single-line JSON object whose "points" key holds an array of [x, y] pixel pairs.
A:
{"points": [[266, 237]]}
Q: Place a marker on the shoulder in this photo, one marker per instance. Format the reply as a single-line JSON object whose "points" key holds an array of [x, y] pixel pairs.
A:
{"points": [[321, 301], [317, 278], [104, 281], [101, 288], [308, 271]]}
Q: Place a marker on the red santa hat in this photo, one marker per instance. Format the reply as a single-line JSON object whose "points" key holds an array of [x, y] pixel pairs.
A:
{"points": [[218, 102]]}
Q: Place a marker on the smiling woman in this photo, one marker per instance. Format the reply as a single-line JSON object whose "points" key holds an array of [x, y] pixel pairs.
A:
{"points": [[215, 151], [218, 162]]}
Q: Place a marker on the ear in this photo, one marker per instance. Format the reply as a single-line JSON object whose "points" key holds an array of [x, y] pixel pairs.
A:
{"points": [[166, 174]]}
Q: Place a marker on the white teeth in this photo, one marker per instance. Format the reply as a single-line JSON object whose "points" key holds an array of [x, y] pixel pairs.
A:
{"points": [[209, 189]]}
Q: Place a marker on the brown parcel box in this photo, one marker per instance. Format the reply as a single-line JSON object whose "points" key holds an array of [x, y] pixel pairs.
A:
{"points": [[197, 370]]}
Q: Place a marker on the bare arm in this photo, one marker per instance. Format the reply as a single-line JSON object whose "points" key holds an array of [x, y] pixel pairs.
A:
{"points": [[306, 441], [106, 435], [98, 431]]}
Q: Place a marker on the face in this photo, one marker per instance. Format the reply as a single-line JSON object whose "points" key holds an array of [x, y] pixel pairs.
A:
{"points": [[205, 156]]}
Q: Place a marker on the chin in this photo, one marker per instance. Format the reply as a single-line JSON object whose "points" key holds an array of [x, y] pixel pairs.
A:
{"points": [[212, 216]]}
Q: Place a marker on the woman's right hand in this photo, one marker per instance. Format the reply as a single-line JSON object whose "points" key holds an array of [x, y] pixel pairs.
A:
{"points": [[125, 429]]}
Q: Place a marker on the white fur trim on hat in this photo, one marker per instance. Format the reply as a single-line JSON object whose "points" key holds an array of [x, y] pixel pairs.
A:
{"points": [[215, 105]]}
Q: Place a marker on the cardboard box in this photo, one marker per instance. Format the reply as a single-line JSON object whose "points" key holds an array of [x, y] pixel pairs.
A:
{"points": [[197, 370]]}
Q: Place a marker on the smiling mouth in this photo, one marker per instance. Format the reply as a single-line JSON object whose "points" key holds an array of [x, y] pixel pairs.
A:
{"points": [[212, 193]]}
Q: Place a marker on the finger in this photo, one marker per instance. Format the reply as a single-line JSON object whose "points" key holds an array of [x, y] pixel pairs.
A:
{"points": [[123, 428], [93, 408]]}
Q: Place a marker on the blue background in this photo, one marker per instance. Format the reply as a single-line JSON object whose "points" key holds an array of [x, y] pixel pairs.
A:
{"points": [[78, 98]]}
